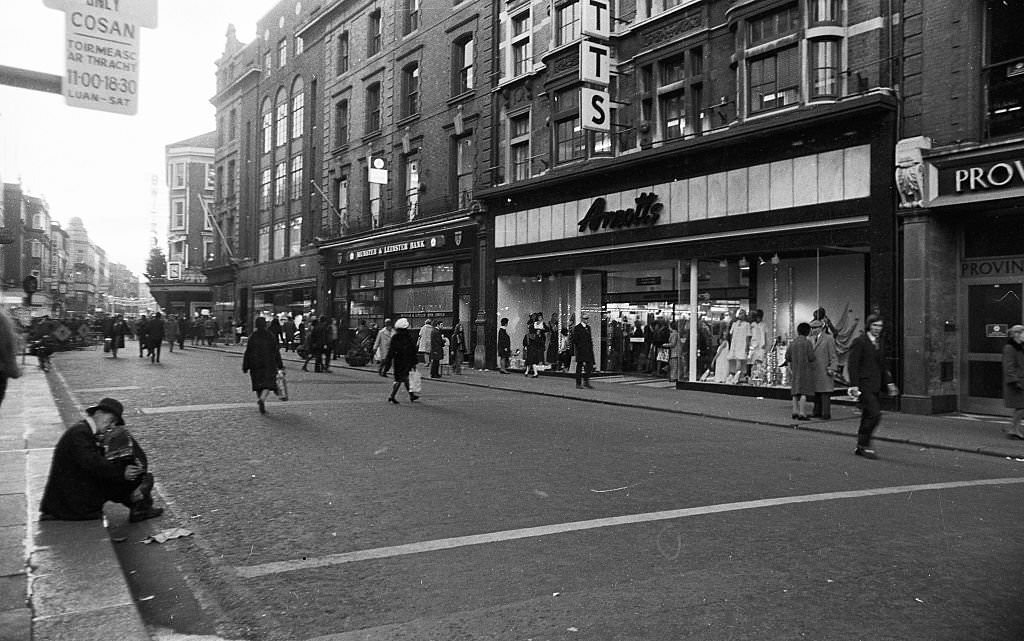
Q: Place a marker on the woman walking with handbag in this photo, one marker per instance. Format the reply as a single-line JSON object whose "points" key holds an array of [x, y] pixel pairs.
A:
{"points": [[262, 360], [401, 359]]}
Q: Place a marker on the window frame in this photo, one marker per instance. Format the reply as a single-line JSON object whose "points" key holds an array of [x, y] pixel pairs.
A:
{"points": [[373, 107], [343, 53], [295, 173], [280, 182], [410, 89], [374, 33], [411, 20], [778, 87], [521, 41], [341, 122], [567, 31], [516, 141], [463, 56]]}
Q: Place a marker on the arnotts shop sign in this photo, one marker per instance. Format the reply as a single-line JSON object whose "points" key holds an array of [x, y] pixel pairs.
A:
{"points": [[646, 213]]}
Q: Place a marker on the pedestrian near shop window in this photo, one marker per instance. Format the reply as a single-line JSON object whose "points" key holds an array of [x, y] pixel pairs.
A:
{"points": [[289, 329], [869, 378], [401, 359], [141, 329], [182, 331], [533, 343], [171, 332], [155, 337], [800, 359], [114, 330], [1013, 379], [458, 348], [504, 347], [583, 345], [381, 345], [261, 361], [436, 350], [8, 352], [826, 359], [423, 344], [675, 351], [82, 477]]}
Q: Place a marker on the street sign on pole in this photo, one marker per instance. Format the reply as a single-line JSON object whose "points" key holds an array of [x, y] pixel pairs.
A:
{"points": [[102, 56]]}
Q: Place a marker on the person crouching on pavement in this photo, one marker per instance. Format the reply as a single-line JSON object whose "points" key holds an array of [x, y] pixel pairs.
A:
{"points": [[88, 470]]}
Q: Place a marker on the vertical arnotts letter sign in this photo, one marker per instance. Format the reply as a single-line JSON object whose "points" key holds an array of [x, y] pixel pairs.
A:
{"points": [[102, 55]]}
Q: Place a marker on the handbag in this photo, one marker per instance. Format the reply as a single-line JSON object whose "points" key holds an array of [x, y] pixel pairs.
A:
{"points": [[662, 354], [281, 385], [106, 344], [415, 382]]}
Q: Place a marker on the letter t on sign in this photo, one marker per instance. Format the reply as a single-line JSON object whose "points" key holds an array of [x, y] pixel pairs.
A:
{"points": [[596, 19]]}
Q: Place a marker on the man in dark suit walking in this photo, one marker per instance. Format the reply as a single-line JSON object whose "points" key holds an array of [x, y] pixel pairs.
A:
{"points": [[84, 474], [869, 378], [583, 348]]}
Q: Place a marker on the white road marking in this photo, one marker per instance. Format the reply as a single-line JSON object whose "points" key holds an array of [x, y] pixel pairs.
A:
{"points": [[171, 409], [277, 567], [93, 390]]}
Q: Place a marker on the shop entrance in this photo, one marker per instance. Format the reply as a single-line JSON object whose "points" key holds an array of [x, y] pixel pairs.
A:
{"points": [[991, 309]]}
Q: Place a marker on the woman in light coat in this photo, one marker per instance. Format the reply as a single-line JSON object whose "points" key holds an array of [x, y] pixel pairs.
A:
{"points": [[382, 344]]}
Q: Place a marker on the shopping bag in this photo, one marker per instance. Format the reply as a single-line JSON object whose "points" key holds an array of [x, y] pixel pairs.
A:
{"points": [[415, 382], [106, 344], [281, 388]]}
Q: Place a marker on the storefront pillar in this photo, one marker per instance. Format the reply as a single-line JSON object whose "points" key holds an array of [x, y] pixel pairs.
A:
{"points": [[579, 295], [930, 330]]}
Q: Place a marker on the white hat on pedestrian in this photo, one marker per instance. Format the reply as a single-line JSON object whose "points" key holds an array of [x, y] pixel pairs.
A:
{"points": [[402, 323]]}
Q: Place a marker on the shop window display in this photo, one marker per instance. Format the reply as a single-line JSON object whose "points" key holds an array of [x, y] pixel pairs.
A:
{"points": [[747, 312]]}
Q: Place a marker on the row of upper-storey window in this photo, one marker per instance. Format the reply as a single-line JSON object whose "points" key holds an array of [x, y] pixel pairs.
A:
{"points": [[177, 175], [661, 99], [517, 30], [274, 117], [462, 56], [409, 98]]}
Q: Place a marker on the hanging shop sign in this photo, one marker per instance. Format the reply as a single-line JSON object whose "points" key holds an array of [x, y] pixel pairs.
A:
{"points": [[391, 248], [645, 214]]}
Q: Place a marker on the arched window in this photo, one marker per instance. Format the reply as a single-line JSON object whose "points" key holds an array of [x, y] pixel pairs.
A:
{"points": [[267, 124], [298, 108], [281, 134]]}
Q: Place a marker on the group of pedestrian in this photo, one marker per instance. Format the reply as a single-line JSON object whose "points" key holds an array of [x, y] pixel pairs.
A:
{"points": [[813, 360]]}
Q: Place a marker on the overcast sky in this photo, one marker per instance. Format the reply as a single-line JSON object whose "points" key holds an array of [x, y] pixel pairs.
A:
{"points": [[97, 165]]}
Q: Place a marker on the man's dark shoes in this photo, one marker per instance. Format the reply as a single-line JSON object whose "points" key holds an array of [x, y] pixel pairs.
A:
{"points": [[143, 513], [413, 397], [866, 452]]}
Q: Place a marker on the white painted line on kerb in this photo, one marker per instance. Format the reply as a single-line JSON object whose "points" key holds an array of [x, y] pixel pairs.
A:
{"points": [[278, 567]]}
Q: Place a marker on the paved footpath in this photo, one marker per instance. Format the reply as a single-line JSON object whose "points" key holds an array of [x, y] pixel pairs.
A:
{"points": [[61, 581]]}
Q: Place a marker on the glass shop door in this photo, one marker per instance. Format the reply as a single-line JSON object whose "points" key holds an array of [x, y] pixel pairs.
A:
{"points": [[991, 309]]}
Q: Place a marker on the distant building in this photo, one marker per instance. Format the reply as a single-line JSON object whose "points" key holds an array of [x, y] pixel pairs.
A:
{"points": [[347, 159], [190, 230]]}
